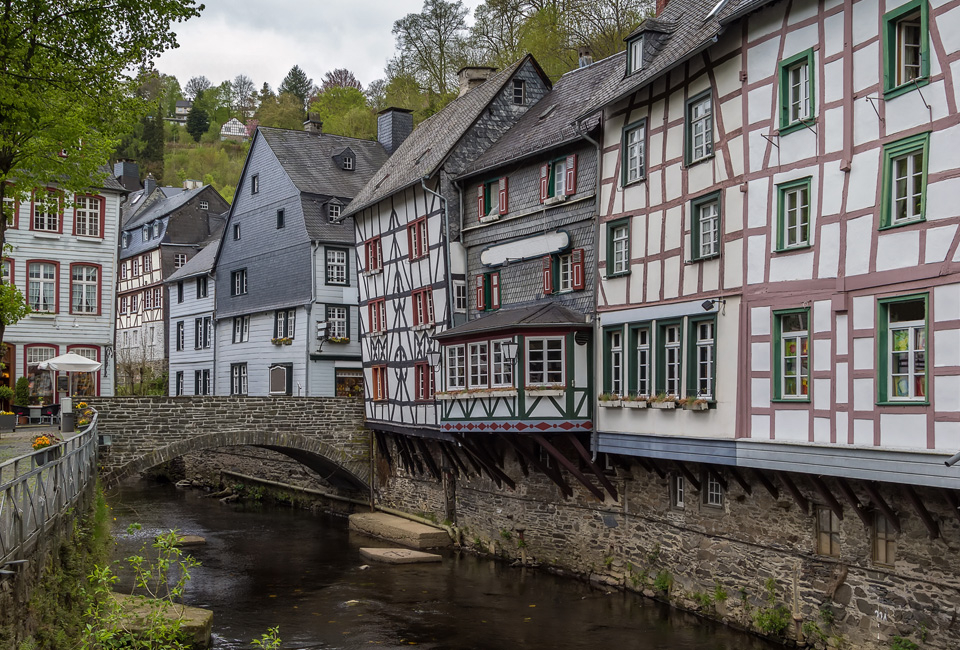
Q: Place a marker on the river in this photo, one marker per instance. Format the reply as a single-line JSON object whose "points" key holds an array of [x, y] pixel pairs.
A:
{"points": [[266, 566]]}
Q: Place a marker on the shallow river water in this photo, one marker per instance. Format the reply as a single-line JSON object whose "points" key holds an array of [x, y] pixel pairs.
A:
{"points": [[265, 566]]}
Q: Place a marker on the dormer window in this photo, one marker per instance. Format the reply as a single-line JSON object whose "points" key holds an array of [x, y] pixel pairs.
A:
{"points": [[333, 211], [635, 52], [145, 233], [125, 239], [348, 163], [519, 91]]}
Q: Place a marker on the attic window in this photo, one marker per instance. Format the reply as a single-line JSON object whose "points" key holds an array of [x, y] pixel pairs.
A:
{"points": [[333, 212], [348, 163], [145, 234], [125, 239], [135, 199], [547, 112], [635, 48], [519, 91], [204, 205]]}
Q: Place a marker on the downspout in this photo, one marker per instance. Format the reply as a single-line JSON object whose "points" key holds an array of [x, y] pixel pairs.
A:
{"points": [[309, 309], [594, 435], [446, 226]]}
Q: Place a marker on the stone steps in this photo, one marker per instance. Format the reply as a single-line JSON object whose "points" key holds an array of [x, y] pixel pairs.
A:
{"points": [[399, 530]]}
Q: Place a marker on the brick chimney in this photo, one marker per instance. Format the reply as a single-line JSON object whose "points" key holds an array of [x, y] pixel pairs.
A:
{"points": [[585, 56], [472, 76], [393, 127], [313, 124], [149, 185], [661, 5]]}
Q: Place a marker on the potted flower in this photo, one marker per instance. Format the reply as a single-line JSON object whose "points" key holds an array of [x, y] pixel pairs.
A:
{"points": [[338, 339], [283, 340], [6, 397], [635, 401], [609, 400], [694, 404], [664, 402], [546, 390], [43, 442]]}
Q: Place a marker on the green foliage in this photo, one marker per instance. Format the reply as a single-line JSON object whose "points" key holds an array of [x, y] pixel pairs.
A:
{"points": [[506, 534], [22, 392], [775, 618], [719, 593], [433, 44], [703, 600], [198, 123], [812, 632], [826, 613], [608, 561], [900, 643], [297, 84], [269, 641], [663, 581], [654, 554], [219, 164], [283, 112]]}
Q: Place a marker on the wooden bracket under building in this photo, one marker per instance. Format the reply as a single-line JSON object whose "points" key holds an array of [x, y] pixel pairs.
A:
{"points": [[585, 455], [881, 505], [570, 467], [742, 482], [767, 483], [827, 496], [932, 527], [550, 472], [688, 475], [951, 499], [794, 491], [854, 501], [428, 459]]}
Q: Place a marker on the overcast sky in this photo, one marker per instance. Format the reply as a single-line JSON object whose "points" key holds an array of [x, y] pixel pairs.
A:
{"points": [[263, 39]]}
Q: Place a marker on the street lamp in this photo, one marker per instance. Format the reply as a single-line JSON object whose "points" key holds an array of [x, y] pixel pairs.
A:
{"points": [[321, 334], [433, 358], [509, 351]]}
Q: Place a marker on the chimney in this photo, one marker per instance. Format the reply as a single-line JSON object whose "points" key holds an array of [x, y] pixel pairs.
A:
{"points": [[585, 56], [393, 127], [192, 184], [313, 124], [472, 76], [661, 5], [127, 174], [149, 184]]}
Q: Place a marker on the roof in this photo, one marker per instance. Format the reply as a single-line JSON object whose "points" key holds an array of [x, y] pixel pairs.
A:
{"points": [[424, 150], [689, 26], [547, 315], [162, 207], [110, 182], [549, 123], [199, 264], [307, 158], [318, 223]]}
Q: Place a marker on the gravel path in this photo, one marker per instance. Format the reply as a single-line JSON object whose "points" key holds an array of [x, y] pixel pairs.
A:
{"points": [[20, 442]]}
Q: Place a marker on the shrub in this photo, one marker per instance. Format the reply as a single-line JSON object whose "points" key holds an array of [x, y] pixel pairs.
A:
{"points": [[22, 392]]}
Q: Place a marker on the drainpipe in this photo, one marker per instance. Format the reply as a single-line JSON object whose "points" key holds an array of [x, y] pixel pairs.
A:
{"points": [[310, 335], [446, 225], [594, 435]]}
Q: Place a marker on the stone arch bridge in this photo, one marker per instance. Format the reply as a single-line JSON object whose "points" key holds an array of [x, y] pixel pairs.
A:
{"points": [[326, 434]]}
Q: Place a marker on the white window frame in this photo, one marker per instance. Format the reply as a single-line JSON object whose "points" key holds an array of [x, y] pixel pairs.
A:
{"points": [[84, 290], [701, 127], [180, 334], [238, 379], [456, 366], [42, 289], [644, 365], [559, 170], [636, 54], [179, 260], [337, 324], [801, 360], [461, 297], [706, 346], [796, 217], [621, 242], [708, 220], [333, 211], [911, 21], [546, 376], [239, 282], [679, 491], [501, 375], [900, 186], [337, 272], [564, 273], [798, 92], [635, 142], [87, 216], [713, 492], [913, 350], [616, 362], [46, 213], [204, 205], [672, 360], [478, 364], [241, 329]]}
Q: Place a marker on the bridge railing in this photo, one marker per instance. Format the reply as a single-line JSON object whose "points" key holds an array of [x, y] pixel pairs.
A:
{"points": [[37, 487]]}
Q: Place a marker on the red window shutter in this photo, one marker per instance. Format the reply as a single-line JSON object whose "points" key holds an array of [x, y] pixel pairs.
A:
{"points": [[481, 211], [503, 195], [371, 315], [544, 181], [547, 275], [577, 264], [378, 252], [368, 249], [495, 291], [417, 303], [410, 252], [570, 186], [481, 303]]}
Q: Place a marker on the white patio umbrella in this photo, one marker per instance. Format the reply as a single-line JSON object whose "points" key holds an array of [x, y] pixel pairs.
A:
{"points": [[70, 362]]}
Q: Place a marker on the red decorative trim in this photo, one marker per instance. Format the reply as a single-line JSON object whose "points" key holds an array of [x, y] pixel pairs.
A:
{"points": [[56, 282], [99, 289], [96, 374], [103, 214], [33, 201], [527, 426]]}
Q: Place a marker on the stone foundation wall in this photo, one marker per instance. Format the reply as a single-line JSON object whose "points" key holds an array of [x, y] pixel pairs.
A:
{"points": [[734, 563]]}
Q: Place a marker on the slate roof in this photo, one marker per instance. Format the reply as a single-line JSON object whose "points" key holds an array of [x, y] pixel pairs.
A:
{"points": [[538, 316], [110, 182], [549, 123], [424, 150], [689, 26], [318, 223], [199, 264], [162, 207]]}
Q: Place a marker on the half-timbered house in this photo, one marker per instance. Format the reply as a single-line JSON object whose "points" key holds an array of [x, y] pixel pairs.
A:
{"points": [[191, 299]]}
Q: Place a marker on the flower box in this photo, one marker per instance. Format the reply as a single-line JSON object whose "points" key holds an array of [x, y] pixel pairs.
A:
{"points": [[48, 455], [8, 423], [338, 339], [282, 341], [545, 391], [635, 403], [666, 405], [611, 403], [695, 406]]}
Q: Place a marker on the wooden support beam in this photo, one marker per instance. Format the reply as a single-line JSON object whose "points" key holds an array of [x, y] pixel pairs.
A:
{"points": [[827, 496], [451, 449], [450, 461], [552, 473], [478, 468], [767, 483], [742, 482], [656, 468], [521, 459], [570, 467], [383, 448], [406, 455], [881, 505], [494, 455], [718, 477], [428, 459], [585, 455], [932, 527], [486, 461], [854, 501], [951, 499], [794, 491], [688, 475]]}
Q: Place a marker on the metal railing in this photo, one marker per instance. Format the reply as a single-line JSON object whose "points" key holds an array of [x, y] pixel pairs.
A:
{"points": [[37, 487]]}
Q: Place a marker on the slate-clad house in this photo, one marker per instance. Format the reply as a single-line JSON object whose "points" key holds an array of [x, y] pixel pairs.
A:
{"points": [[156, 240], [286, 277], [409, 244], [191, 300]]}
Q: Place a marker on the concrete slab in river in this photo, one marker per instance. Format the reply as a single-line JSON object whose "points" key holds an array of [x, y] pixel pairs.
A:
{"points": [[398, 555], [399, 530], [194, 621]]}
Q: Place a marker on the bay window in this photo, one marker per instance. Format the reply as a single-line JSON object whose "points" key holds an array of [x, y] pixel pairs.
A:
{"points": [[545, 361]]}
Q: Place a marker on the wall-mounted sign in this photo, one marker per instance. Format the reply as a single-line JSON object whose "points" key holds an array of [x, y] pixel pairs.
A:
{"points": [[525, 249]]}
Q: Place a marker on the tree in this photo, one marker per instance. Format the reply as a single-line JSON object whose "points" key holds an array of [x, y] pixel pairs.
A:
{"points": [[243, 94], [434, 43], [340, 78], [67, 82], [196, 85], [297, 84], [344, 111], [198, 122], [283, 112]]}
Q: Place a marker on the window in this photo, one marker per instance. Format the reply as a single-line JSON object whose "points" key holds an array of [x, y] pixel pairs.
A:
{"points": [[519, 91], [201, 382], [123, 305], [713, 494], [202, 287], [423, 381], [618, 248], [46, 211], [202, 332], [479, 368], [148, 299], [906, 48], [84, 383], [125, 240], [635, 49], [544, 361], [373, 254], [41, 381], [378, 316], [178, 391], [333, 211], [135, 267], [42, 288], [670, 356], [641, 370], [145, 233], [488, 291], [379, 384], [613, 381], [791, 355], [11, 209], [236, 232], [238, 282], [179, 260], [703, 354], [456, 367], [348, 163], [134, 302], [903, 349], [147, 263], [884, 540], [238, 379], [828, 532], [558, 178], [678, 491], [564, 273], [338, 327], [699, 128], [204, 205], [123, 270], [84, 289], [417, 244], [180, 291], [241, 329], [705, 235], [502, 370], [281, 379], [284, 323], [255, 184], [460, 300], [634, 152], [158, 297], [336, 266], [793, 214], [87, 216], [180, 336], [796, 92], [903, 198], [422, 302], [280, 219], [492, 198]]}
